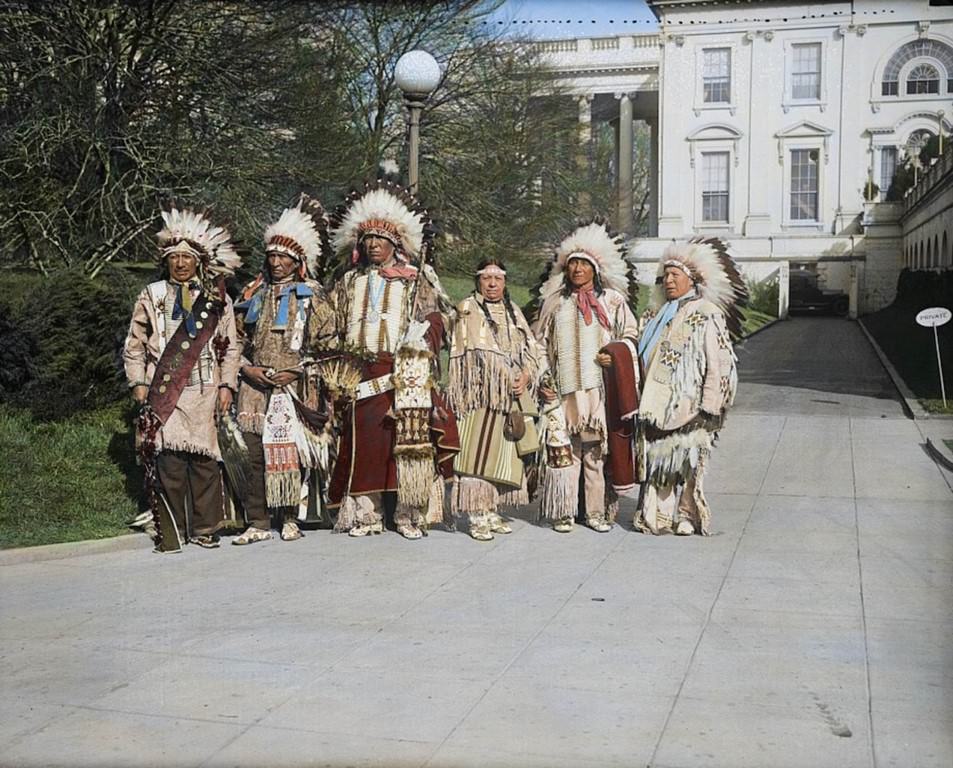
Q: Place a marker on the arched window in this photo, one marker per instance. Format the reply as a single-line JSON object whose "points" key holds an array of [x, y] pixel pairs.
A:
{"points": [[946, 251], [923, 78], [937, 261], [941, 55]]}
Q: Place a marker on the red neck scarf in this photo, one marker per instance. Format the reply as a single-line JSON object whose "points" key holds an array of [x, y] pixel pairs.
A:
{"points": [[588, 303], [403, 271]]}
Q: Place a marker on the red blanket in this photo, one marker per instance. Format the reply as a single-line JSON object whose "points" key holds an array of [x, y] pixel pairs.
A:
{"points": [[371, 433], [622, 400]]}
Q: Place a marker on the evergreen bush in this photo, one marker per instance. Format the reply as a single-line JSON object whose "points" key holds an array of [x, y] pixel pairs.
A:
{"points": [[60, 350]]}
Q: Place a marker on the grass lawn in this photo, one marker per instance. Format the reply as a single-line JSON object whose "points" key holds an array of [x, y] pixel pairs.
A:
{"points": [[66, 481], [912, 351], [935, 404], [753, 320], [459, 287]]}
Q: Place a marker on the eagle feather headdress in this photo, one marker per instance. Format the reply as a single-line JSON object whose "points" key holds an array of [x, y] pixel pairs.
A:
{"points": [[595, 242], [190, 231], [715, 274], [383, 209], [301, 233]]}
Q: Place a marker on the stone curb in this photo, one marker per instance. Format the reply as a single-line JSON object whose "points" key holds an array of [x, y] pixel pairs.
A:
{"points": [[756, 331], [911, 405], [69, 549], [910, 399]]}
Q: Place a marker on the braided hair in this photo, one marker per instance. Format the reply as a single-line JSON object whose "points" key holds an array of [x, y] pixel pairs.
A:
{"points": [[492, 261]]}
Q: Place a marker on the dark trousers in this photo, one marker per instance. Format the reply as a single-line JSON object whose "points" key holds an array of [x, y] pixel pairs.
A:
{"points": [[256, 504], [190, 476], [256, 508]]}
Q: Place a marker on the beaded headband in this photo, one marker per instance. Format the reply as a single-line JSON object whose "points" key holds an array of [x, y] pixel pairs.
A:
{"points": [[680, 265]]}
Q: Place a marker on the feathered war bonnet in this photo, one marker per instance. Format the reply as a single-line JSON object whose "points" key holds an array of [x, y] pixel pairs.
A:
{"points": [[595, 242], [189, 231], [716, 277], [383, 209], [301, 233]]}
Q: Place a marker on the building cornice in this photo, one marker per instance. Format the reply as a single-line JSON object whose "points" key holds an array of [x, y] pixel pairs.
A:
{"points": [[633, 69]]}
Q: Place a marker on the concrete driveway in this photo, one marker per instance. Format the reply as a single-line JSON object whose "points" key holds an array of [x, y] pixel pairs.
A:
{"points": [[812, 629]]}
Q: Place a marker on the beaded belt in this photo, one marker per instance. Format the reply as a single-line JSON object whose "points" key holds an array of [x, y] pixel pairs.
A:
{"points": [[373, 387]]}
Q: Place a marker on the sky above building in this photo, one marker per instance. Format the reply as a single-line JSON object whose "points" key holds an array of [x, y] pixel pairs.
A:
{"points": [[553, 19]]}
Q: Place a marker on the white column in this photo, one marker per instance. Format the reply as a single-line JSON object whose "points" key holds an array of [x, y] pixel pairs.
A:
{"points": [[784, 288], [625, 162], [762, 87], [853, 291], [584, 157], [653, 178], [584, 103], [673, 124]]}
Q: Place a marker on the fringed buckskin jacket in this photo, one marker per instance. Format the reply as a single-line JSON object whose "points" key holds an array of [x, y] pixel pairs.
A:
{"points": [[691, 369], [484, 360], [191, 427], [280, 324], [571, 347]]}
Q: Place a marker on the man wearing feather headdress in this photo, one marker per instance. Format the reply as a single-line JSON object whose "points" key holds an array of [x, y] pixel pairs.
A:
{"points": [[690, 382], [586, 327], [283, 316], [181, 358], [398, 440]]}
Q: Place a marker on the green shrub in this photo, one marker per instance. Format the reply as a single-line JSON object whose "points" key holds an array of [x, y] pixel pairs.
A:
{"points": [[763, 296], [62, 344], [924, 288], [911, 347]]}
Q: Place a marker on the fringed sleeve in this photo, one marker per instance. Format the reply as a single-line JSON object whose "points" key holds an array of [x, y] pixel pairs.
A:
{"points": [[231, 360], [479, 379], [134, 351], [321, 319], [721, 374], [531, 355]]}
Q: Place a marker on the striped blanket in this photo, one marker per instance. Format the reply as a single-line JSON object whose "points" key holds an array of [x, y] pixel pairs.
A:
{"points": [[485, 452]]}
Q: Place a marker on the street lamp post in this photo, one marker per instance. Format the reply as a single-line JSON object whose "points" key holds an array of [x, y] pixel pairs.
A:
{"points": [[417, 75]]}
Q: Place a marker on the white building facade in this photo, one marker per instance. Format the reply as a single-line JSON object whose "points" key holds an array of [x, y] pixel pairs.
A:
{"points": [[775, 118]]}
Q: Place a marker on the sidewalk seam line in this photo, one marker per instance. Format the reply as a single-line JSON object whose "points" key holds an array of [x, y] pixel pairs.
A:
{"points": [[320, 673], [714, 601], [863, 607]]}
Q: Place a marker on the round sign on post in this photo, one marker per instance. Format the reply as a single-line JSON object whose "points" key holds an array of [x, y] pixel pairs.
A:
{"points": [[934, 316], [931, 318]]}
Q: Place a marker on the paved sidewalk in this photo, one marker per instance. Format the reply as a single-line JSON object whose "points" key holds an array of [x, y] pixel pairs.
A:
{"points": [[812, 629]]}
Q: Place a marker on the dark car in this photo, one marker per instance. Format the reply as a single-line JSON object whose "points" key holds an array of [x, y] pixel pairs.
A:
{"points": [[806, 296]]}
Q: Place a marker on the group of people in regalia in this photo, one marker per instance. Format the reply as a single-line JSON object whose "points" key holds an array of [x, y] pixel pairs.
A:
{"points": [[343, 387]]}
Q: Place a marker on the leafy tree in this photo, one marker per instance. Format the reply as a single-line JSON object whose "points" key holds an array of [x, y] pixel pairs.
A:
{"points": [[109, 107]]}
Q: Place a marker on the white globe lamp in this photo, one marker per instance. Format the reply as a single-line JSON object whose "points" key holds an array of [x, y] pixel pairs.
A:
{"points": [[417, 74]]}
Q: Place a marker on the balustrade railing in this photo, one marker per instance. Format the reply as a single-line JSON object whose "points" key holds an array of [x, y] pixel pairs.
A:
{"points": [[928, 179]]}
